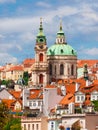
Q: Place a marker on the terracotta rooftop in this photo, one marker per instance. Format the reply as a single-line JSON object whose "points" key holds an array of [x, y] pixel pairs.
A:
{"points": [[16, 94], [36, 94], [80, 63], [16, 68], [67, 99], [28, 62]]}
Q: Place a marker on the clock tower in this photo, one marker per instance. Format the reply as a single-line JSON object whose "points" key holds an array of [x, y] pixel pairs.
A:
{"points": [[40, 68]]}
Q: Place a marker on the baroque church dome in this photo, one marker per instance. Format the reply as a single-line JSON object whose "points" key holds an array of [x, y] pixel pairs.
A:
{"points": [[61, 48]]}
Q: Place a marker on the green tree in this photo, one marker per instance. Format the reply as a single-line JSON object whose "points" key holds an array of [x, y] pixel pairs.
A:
{"points": [[26, 77], [4, 82], [13, 124], [95, 103], [4, 115], [7, 121]]}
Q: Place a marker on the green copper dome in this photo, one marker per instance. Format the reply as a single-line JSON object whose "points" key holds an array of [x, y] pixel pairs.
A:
{"points": [[61, 49]]}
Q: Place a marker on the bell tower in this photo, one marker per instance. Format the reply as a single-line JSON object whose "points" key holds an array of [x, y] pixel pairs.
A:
{"points": [[40, 68]]}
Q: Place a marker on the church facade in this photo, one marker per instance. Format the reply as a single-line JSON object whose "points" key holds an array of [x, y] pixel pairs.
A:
{"points": [[59, 61]]}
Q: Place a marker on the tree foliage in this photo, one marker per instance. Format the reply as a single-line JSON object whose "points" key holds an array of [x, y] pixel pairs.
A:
{"points": [[26, 77], [4, 116], [7, 121], [13, 124], [95, 103]]}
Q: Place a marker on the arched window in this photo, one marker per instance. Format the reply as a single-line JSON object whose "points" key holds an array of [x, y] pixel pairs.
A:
{"points": [[72, 70], [55, 69], [61, 69], [41, 57], [50, 69], [41, 78]]}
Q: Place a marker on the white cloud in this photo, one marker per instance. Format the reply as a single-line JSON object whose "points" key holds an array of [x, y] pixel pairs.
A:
{"points": [[7, 58], [91, 51], [6, 47], [7, 1], [2, 36], [43, 4], [27, 37]]}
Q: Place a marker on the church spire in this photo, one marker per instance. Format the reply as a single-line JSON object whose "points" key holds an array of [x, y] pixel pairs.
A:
{"points": [[41, 27], [41, 33], [41, 38]]}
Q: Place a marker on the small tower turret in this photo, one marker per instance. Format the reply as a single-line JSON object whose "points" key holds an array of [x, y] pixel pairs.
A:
{"points": [[85, 72], [60, 38]]}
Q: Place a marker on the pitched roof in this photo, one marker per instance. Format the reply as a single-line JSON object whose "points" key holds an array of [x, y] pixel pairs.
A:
{"points": [[67, 99], [28, 62], [80, 63], [8, 102], [36, 94], [16, 68], [16, 94]]}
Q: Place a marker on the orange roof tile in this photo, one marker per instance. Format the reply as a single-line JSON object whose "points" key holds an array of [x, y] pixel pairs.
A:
{"points": [[28, 62], [35, 94], [80, 63], [16, 94], [67, 99], [16, 68], [8, 102], [50, 86]]}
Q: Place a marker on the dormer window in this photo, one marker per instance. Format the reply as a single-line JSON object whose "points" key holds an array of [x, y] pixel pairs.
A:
{"points": [[72, 51], [62, 51]]}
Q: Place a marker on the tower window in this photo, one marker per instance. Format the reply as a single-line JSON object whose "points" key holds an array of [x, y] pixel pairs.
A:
{"points": [[55, 69], [50, 69], [41, 57], [72, 70], [61, 69], [41, 78]]}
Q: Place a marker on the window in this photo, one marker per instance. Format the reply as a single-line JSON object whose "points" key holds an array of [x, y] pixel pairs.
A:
{"points": [[55, 69], [24, 126], [50, 69], [78, 98], [34, 103], [61, 50], [37, 127], [82, 98], [61, 69], [72, 70], [41, 57], [28, 126], [30, 103], [39, 103], [32, 126], [41, 78], [52, 125]]}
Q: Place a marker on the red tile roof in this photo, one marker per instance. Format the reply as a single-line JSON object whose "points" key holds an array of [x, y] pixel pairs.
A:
{"points": [[16, 94], [28, 62], [36, 94], [80, 63], [67, 99], [16, 68]]}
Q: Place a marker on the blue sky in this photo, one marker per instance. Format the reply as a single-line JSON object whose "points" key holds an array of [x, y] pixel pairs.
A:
{"points": [[19, 24]]}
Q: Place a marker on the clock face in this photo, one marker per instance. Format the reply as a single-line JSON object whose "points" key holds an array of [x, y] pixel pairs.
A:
{"points": [[41, 40]]}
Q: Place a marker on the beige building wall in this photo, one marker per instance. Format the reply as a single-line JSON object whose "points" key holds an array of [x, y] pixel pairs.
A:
{"points": [[38, 123], [14, 75]]}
